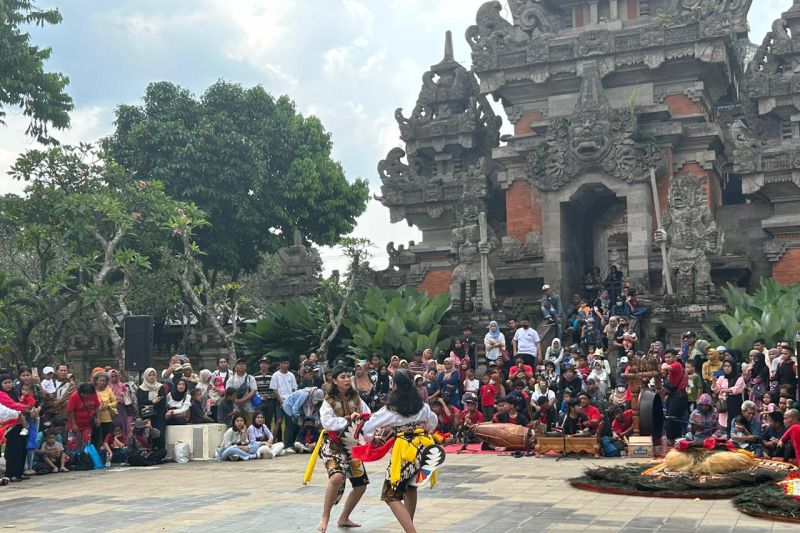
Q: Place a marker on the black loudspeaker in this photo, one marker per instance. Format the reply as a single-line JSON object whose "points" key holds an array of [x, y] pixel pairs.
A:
{"points": [[138, 342]]}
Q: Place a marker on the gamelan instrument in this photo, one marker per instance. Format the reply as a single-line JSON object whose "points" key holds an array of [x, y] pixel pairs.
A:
{"points": [[509, 436]]}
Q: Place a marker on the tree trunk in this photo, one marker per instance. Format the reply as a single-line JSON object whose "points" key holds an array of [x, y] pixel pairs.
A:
{"points": [[335, 322]]}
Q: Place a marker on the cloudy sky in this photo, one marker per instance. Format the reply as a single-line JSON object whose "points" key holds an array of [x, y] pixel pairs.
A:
{"points": [[350, 62]]}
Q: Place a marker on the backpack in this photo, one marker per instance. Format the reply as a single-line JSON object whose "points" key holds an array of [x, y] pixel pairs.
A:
{"points": [[81, 461]]}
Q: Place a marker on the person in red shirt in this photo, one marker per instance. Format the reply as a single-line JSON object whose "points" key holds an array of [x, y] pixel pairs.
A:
{"points": [[524, 371], [470, 416], [622, 424], [592, 413], [791, 418], [488, 394], [82, 411], [582, 367], [447, 415]]}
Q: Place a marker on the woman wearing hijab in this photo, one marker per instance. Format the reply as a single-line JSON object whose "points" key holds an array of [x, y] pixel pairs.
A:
{"points": [[729, 387], [458, 352], [450, 384], [152, 404], [494, 342], [124, 399], [600, 377], [757, 377], [178, 404], [394, 364], [555, 354], [107, 409], [416, 454], [11, 432], [364, 386]]}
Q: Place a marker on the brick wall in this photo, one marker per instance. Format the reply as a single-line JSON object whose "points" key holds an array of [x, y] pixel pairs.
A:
{"points": [[681, 105], [523, 210], [787, 270], [436, 282], [523, 125]]}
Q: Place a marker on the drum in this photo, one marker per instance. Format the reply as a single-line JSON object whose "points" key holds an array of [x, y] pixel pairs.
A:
{"points": [[509, 436], [651, 413]]}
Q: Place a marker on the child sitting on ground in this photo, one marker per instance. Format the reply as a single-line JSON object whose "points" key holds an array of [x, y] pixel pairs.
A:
{"points": [[116, 446], [307, 437], [52, 453]]}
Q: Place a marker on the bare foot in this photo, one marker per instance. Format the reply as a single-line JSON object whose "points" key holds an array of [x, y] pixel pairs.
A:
{"points": [[347, 523], [322, 527]]}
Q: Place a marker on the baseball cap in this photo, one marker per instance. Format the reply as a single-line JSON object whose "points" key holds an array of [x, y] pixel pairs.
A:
{"points": [[623, 359], [48, 370], [545, 287], [721, 349]]}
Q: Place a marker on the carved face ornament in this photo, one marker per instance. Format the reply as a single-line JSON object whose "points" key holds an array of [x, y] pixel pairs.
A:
{"points": [[588, 140]]}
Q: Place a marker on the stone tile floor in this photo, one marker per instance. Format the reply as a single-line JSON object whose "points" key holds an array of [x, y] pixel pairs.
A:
{"points": [[484, 493]]}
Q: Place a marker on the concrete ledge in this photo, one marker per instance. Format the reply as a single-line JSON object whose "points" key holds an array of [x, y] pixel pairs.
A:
{"points": [[203, 439]]}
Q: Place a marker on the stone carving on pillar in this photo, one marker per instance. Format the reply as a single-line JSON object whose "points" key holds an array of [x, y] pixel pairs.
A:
{"points": [[466, 282], [692, 237], [513, 250], [594, 136], [299, 270]]}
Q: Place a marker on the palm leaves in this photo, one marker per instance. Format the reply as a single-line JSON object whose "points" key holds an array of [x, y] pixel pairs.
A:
{"points": [[772, 313]]}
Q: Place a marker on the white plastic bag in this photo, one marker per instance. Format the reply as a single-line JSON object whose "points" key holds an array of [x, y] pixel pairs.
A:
{"points": [[183, 452]]}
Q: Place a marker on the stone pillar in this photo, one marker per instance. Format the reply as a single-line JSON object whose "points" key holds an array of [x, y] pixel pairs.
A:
{"points": [[613, 10], [593, 16], [551, 240], [640, 232]]}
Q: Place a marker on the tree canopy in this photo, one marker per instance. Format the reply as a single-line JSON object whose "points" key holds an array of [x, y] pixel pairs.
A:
{"points": [[255, 166], [23, 80]]}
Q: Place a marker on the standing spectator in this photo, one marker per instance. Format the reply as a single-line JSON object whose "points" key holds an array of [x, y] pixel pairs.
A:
{"points": [[417, 365], [269, 401], [613, 283], [107, 409], [494, 342], [694, 385], [552, 309], [488, 396], [11, 432], [678, 403], [712, 368], [246, 388], [527, 343], [756, 376], [364, 386], [457, 352], [729, 387], [125, 401], [509, 337], [299, 405], [82, 413], [152, 406], [384, 383], [63, 389], [786, 373], [222, 371], [449, 384], [470, 344]]}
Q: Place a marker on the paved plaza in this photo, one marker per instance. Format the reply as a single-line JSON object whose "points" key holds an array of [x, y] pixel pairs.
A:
{"points": [[476, 493]]}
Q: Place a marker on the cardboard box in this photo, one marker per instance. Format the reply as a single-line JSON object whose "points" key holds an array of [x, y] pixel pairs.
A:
{"points": [[640, 447]]}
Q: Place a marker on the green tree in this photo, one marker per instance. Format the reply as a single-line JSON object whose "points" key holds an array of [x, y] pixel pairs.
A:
{"points": [[23, 80], [106, 224], [257, 168]]}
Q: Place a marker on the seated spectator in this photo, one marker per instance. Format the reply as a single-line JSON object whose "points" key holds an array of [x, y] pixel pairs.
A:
{"points": [[519, 371], [704, 420], [178, 403], [419, 383], [52, 453], [771, 435], [235, 442], [432, 385], [746, 429], [622, 422], [791, 436], [307, 436], [259, 434], [445, 414], [574, 422], [519, 397], [197, 411], [601, 378], [542, 388], [116, 446], [596, 395], [545, 412], [141, 444], [593, 414], [227, 407], [470, 416], [569, 380], [507, 413]]}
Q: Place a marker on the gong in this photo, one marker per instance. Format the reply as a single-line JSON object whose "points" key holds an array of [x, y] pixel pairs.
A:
{"points": [[651, 414]]}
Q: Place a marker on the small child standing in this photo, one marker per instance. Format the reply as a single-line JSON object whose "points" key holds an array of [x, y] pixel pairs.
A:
{"points": [[471, 384], [52, 453], [227, 407], [767, 406], [488, 393], [694, 385]]}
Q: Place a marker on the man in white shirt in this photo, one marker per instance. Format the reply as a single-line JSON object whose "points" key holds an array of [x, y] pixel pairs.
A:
{"points": [[527, 343], [48, 383], [246, 388], [284, 384], [222, 370]]}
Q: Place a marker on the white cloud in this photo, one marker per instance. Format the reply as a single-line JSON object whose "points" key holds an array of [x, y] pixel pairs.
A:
{"points": [[336, 60], [373, 64], [361, 14], [88, 125]]}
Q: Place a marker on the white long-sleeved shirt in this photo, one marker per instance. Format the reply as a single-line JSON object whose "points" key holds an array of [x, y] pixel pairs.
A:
{"points": [[386, 418], [331, 422], [179, 407]]}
